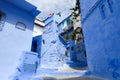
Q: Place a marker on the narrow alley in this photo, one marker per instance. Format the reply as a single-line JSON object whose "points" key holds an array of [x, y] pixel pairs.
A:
{"points": [[59, 40]]}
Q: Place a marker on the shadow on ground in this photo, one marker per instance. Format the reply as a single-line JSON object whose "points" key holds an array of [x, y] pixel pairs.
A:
{"points": [[71, 78], [80, 68]]}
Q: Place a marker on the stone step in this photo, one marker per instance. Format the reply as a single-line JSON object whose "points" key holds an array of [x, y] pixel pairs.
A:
{"points": [[44, 73], [68, 78]]}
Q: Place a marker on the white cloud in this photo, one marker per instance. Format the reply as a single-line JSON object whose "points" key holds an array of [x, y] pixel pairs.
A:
{"points": [[47, 6]]}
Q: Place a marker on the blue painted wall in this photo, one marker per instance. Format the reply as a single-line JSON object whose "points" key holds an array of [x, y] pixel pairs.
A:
{"points": [[13, 40], [76, 50], [27, 66], [54, 45], [71, 45], [86, 6], [80, 52], [53, 49], [50, 24], [101, 30]]}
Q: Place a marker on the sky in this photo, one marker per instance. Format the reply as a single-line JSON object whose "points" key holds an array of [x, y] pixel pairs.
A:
{"points": [[52, 6]]}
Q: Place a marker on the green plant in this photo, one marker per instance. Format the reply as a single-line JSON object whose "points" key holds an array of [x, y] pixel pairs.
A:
{"points": [[76, 11]]}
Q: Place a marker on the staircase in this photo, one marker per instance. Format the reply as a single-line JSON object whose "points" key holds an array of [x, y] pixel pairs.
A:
{"points": [[67, 73]]}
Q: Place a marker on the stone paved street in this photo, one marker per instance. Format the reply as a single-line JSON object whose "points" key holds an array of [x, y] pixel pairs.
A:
{"points": [[65, 74]]}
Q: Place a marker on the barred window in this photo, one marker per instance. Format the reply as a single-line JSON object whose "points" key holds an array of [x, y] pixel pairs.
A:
{"points": [[21, 26]]}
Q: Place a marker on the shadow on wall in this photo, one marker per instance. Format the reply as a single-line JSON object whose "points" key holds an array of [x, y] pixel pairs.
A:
{"points": [[36, 45]]}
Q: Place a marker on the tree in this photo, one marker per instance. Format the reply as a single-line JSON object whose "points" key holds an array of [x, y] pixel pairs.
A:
{"points": [[76, 12], [77, 34]]}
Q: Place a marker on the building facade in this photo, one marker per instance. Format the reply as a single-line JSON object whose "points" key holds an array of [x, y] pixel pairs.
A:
{"points": [[16, 26], [58, 47], [100, 23], [53, 50], [37, 36]]}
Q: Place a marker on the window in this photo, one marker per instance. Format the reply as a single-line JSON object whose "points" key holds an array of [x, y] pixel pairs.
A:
{"points": [[103, 11], [110, 4], [21, 26], [67, 48], [59, 14], [85, 54], [72, 48], [2, 20], [43, 41]]}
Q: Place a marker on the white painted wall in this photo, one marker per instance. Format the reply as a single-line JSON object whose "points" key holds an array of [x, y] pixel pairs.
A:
{"points": [[38, 30], [12, 40]]}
